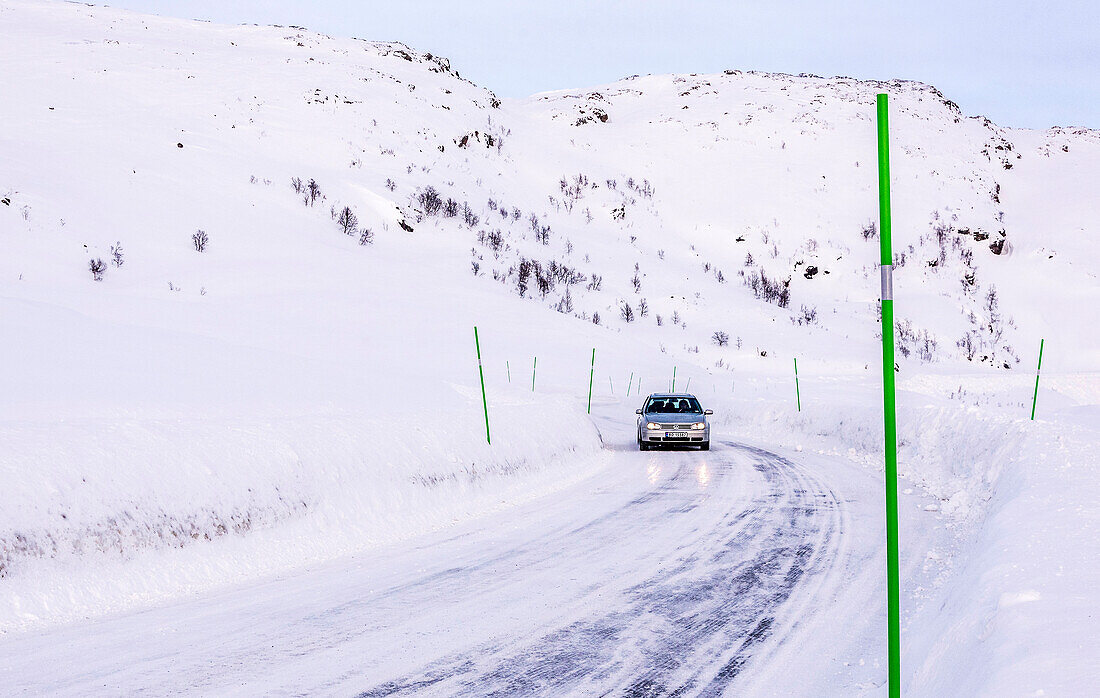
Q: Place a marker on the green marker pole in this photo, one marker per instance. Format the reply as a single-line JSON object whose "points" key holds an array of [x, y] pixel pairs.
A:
{"points": [[509, 367], [1035, 397], [481, 373], [797, 394], [886, 267], [591, 375], [688, 386], [533, 367], [629, 383], [673, 380]]}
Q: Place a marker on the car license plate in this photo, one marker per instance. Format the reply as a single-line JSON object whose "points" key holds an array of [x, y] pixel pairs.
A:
{"points": [[676, 434]]}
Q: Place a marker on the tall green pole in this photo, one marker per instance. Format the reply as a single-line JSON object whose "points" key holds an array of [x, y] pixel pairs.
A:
{"points": [[591, 375], [481, 373], [1035, 397], [533, 367], [673, 380], [688, 386], [509, 367], [629, 383], [797, 394], [886, 267]]}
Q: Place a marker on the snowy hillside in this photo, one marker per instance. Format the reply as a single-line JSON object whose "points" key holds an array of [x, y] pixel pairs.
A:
{"points": [[243, 266]]}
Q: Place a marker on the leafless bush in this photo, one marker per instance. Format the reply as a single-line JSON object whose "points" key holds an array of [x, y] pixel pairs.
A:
{"points": [[116, 254], [296, 184], [806, 316], [199, 240], [769, 289], [429, 200], [910, 340], [313, 191], [366, 236], [565, 303], [390, 184], [98, 269], [450, 208], [595, 283], [626, 312], [468, 216], [870, 230], [348, 221], [643, 308], [720, 338]]}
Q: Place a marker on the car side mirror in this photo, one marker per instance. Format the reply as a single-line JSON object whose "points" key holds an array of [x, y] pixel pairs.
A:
{"points": [[637, 411], [708, 411]]}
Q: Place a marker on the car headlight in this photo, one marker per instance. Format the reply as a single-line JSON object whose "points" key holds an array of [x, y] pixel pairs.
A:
{"points": [[652, 425], [699, 425]]}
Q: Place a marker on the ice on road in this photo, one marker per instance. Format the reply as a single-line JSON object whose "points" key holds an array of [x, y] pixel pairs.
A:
{"points": [[667, 573]]}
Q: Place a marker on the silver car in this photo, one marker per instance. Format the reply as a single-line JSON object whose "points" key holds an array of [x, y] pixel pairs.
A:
{"points": [[673, 419]]}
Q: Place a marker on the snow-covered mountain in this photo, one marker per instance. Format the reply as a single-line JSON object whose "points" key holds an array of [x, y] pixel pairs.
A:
{"points": [[360, 207]]}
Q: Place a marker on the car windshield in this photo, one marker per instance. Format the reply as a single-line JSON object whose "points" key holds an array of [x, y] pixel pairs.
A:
{"points": [[673, 405]]}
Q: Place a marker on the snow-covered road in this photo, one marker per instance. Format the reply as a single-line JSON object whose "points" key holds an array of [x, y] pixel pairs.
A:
{"points": [[682, 573]]}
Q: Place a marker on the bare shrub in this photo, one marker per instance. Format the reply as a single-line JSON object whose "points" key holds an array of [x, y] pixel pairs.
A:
{"points": [[429, 200], [468, 216], [366, 236], [769, 289], [348, 221], [626, 312], [565, 304], [199, 240], [313, 191], [98, 268], [720, 338], [116, 254]]}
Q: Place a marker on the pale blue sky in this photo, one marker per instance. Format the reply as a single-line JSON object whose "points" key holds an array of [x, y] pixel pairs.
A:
{"points": [[1020, 62]]}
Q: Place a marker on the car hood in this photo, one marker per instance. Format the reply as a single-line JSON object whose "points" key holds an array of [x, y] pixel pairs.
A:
{"points": [[674, 418]]}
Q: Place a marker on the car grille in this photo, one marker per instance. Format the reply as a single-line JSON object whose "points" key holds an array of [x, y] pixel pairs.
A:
{"points": [[677, 427]]}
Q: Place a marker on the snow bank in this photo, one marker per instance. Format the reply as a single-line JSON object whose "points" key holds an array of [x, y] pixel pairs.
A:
{"points": [[990, 608], [92, 507]]}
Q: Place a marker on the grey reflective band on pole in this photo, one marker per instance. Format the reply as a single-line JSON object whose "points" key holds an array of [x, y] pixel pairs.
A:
{"points": [[886, 271]]}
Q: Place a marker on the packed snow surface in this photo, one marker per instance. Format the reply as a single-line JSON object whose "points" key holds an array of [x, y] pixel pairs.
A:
{"points": [[242, 271]]}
